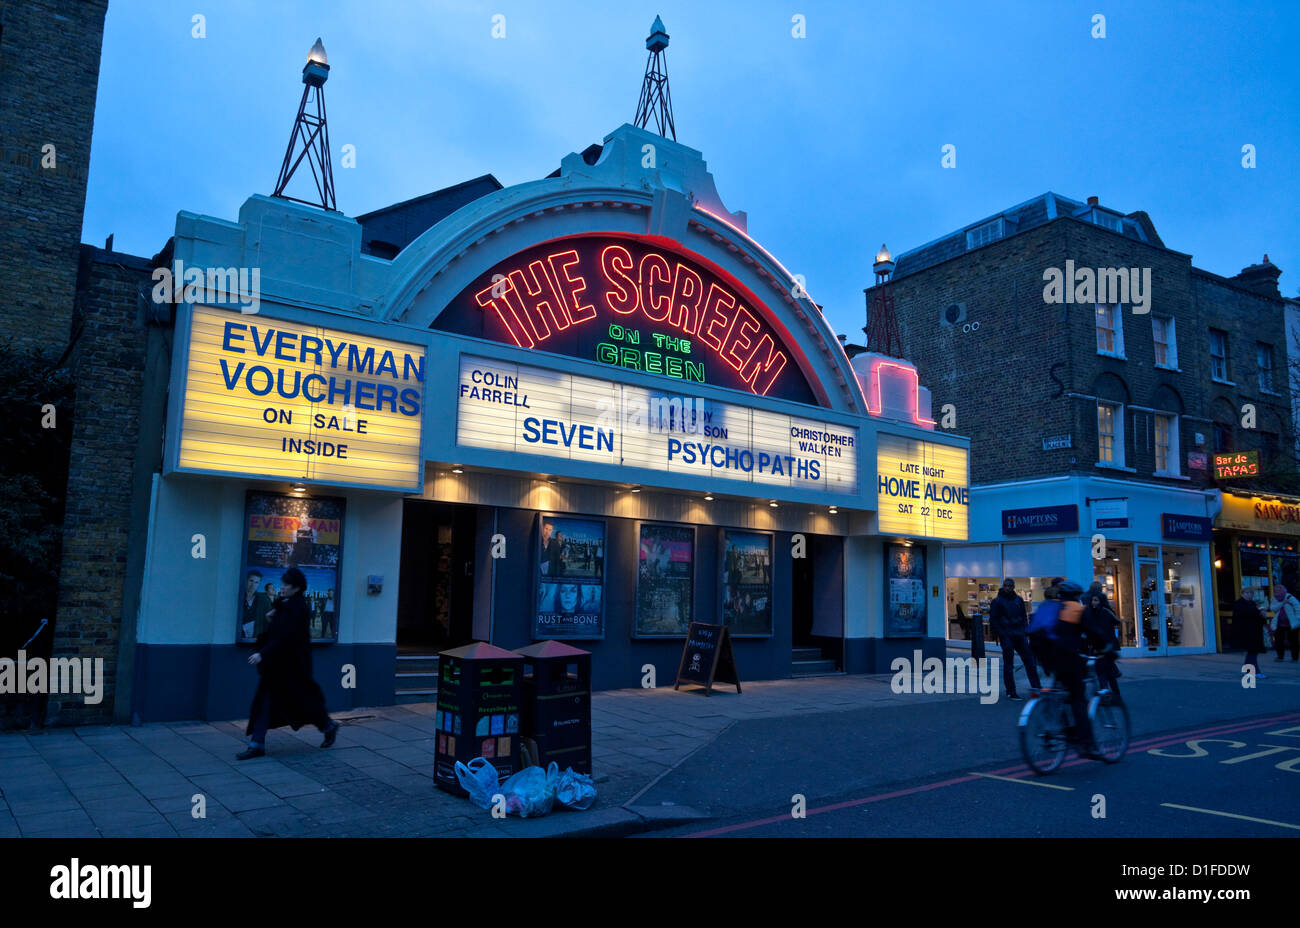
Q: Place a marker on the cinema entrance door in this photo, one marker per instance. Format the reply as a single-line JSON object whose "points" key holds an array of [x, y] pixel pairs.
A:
{"points": [[435, 598]]}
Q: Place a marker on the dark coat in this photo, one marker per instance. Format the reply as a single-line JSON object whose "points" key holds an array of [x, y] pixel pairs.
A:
{"points": [[286, 680], [1247, 625], [1007, 615], [1100, 625], [552, 555]]}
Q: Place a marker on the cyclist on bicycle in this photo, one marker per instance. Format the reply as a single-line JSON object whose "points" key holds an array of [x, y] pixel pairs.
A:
{"points": [[1099, 625], [1058, 630]]}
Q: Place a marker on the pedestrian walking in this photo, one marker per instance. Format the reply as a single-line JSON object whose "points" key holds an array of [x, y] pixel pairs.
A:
{"points": [[1248, 631], [1010, 626], [1286, 623], [286, 692]]}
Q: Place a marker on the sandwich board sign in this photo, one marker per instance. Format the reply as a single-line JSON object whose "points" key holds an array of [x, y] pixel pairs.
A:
{"points": [[707, 658]]}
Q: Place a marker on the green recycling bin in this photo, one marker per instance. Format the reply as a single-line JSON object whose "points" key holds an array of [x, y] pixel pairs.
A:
{"points": [[478, 711]]}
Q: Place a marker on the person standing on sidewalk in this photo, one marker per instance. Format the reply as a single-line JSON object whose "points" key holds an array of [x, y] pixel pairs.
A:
{"points": [[286, 693], [1010, 626], [1248, 631], [1286, 623]]}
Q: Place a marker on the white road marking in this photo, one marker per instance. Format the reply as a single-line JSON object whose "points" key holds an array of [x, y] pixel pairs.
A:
{"points": [[994, 776], [1244, 818]]}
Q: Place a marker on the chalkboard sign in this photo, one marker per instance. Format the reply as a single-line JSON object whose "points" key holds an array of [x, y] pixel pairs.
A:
{"points": [[707, 658]]}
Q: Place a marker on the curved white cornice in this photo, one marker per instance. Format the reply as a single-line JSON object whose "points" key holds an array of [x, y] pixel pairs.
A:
{"points": [[642, 184]]}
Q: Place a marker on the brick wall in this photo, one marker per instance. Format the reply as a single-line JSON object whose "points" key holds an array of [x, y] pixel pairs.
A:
{"points": [[1004, 377], [1250, 319], [49, 72], [108, 361]]}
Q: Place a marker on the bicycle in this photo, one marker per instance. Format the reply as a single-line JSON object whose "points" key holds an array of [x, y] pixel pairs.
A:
{"points": [[1046, 718]]}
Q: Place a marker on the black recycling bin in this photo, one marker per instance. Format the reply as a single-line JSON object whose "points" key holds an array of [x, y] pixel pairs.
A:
{"points": [[478, 711], [557, 703]]}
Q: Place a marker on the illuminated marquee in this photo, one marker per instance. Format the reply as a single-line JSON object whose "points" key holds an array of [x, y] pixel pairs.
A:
{"points": [[1257, 514], [632, 302], [268, 397], [922, 488], [521, 409]]}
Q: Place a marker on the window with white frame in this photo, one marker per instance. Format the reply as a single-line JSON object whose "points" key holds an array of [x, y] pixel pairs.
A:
{"points": [[1162, 329], [1264, 358], [1110, 331], [1107, 220], [983, 234], [1166, 444], [1218, 354], [1110, 434]]}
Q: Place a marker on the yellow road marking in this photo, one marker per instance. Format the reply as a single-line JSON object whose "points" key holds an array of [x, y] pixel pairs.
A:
{"points": [[1244, 818], [994, 776]]}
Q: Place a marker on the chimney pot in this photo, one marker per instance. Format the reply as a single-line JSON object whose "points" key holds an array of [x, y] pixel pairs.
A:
{"points": [[1092, 201]]}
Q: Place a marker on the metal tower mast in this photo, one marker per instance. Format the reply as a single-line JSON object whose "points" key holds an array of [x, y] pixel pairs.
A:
{"points": [[656, 102], [311, 129], [882, 325]]}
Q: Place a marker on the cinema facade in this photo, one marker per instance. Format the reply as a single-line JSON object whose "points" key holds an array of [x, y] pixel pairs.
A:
{"points": [[589, 407]]}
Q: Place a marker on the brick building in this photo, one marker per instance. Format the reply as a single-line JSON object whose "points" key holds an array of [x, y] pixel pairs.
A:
{"points": [[1097, 372], [49, 72], [82, 311]]}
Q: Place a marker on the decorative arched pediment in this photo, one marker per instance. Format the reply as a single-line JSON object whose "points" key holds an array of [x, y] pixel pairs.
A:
{"points": [[1168, 399], [749, 324], [1111, 387]]}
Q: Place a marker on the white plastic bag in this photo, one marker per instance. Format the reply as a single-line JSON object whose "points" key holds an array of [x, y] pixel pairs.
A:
{"points": [[531, 791], [575, 790], [479, 779]]}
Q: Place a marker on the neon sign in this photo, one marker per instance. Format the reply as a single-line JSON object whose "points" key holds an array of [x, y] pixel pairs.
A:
{"points": [[634, 302], [899, 373], [1236, 464]]}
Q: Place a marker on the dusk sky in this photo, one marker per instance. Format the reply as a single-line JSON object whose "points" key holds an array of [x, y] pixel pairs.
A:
{"points": [[831, 143]]}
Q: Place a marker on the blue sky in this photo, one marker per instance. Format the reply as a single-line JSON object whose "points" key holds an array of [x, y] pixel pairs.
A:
{"points": [[832, 142]]}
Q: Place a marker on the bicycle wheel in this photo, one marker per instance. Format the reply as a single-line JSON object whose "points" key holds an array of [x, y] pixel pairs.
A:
{"points": [[1110, 727], [1042, 736]]}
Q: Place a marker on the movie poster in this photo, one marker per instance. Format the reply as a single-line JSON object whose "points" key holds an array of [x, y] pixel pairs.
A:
{"points": [[665, 580], [283, 532], [905, 576], [747, 583], [570, 578]]}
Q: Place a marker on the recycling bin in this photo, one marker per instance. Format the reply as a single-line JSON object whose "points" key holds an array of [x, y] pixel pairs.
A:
{"points": [[478, 711], [557, 703]]}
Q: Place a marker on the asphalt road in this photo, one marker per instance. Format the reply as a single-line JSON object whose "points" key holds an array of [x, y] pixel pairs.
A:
{"points": [[1202, 752]]}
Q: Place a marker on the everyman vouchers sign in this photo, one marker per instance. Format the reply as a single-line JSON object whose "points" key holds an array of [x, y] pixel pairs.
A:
{"points": [[530, 410], [267, 397]]}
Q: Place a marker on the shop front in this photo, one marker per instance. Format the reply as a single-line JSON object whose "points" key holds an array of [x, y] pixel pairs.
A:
{"points": [[1148, 546], [1256, 549], [588, 408]]}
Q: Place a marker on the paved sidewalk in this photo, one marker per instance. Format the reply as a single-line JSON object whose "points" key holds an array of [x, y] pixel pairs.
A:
{"points": [[376, 781]]}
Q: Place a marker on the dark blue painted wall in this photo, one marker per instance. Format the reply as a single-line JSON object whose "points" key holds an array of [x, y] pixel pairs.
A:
{"points": [[215, 682], [617, 660]]}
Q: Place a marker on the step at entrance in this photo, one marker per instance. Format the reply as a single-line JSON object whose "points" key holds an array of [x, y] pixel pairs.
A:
{"points": [[810, 662], [417, 678]]}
